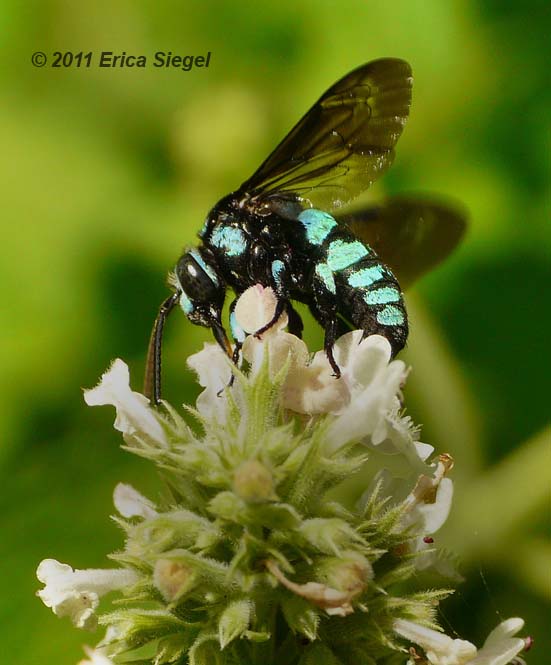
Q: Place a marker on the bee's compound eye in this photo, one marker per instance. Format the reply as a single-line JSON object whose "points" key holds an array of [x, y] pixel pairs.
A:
{"points": [[198, 280]]}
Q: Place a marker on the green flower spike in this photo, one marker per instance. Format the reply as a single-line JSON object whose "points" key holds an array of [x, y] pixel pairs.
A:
{"points": [[250, 558]]}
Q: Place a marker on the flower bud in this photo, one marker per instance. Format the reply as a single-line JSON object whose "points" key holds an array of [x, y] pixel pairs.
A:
{"points": [[253, 482], [349, 573], [173, 578]]}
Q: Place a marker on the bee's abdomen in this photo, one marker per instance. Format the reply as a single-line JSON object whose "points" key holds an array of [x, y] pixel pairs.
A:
{"points": [[371, 299], [367, 293]]}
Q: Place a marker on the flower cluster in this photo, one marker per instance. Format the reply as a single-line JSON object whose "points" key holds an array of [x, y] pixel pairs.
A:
{"points": [[250, 557]]}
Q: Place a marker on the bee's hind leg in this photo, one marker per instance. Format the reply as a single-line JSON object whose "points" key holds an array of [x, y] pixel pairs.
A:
{"points": [[331, 328]]}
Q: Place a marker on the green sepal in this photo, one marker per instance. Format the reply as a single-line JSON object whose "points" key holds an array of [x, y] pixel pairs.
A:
{"points": [[234, 621], [205, 464], [206, 650], [177, 528], [173, 647], [229, 506], [301, 616], [213, 572], [137, 627], [328, 535]]}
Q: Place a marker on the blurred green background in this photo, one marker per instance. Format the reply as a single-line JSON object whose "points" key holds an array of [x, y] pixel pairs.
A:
{"points": [[107, 173]]}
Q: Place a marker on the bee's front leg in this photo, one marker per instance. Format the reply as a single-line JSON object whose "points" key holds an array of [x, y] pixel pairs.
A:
{"points": [[279, 278]]}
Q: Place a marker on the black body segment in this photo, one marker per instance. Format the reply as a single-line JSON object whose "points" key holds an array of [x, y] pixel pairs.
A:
{"points": [[287, 226]]}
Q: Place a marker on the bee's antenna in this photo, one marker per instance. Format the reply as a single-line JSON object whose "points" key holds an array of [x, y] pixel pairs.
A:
{"points": [[152, 380]]}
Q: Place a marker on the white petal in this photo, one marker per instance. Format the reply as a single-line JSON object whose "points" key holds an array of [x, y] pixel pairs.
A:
{"points": [[433, 515], [440, 649], [506, 628], [428, 504], [256, 307], [424, 450], [499, 654], [212, 367], [78, 606], [500, 646], [314, 390], [95, 657], [134, 415], [360, 358], [130, 503], [281, 348], [76, 593], [370, 403]]}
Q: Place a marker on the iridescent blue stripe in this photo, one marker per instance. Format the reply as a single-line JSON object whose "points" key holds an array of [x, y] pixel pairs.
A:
{"points": [[277, 269], [390, 316], [317, 224], [236, 330], [366, 276], [382, 296], [186, 304], [324, 272], [343, 253], [210, 272], [229, 239]]}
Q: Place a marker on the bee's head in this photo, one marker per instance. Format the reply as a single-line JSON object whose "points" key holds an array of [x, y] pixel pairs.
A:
{"points": [[202, 290]]}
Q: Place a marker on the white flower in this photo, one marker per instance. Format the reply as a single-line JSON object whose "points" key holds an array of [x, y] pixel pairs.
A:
{"points": [[403, 440], [427, 508], [256, 307], [373, 381], [213, 370], [364, 399], [500, 646], [309, 387], [367, 380], [76, 593], [95, 657], [130, 503], [134, 415]]}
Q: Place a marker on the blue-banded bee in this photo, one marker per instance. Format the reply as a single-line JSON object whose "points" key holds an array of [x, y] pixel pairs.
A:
{"points": [[288, 227]]}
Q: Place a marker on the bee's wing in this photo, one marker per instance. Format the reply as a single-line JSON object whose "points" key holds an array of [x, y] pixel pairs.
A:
{"points": [[344, 142], [410, 234]]}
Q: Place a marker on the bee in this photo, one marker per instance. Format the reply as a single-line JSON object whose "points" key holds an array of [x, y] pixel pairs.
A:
{"points": [[290, 226]]}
